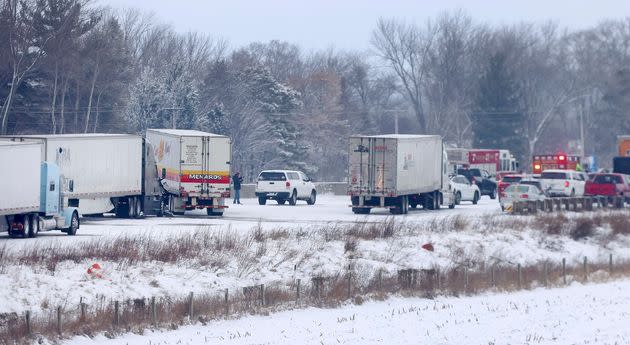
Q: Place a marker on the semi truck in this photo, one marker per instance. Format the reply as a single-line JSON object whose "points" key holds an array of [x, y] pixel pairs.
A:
{"points": [[103, 172], [193, 168], [397, 172], [33, 193]]}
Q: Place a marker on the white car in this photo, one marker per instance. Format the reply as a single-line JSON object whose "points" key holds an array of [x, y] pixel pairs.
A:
{"points": [[520, 192], [283, 186], [463, 190], [563, 182]]}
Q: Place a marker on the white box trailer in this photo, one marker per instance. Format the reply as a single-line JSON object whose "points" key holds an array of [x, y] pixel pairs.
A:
{"points": [[103, 172], [194, 168], [20, 177], [397, 171]]}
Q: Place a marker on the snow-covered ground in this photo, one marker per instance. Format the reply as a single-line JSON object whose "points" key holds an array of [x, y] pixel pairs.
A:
{"points": [[311, 246], [579, 314]]}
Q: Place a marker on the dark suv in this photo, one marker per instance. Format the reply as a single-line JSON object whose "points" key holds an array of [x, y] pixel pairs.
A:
{"points": [[482, 179]]}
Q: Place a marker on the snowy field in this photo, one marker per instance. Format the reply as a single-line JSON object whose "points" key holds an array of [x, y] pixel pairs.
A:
{"points": [[311, 242], [579, 314]]}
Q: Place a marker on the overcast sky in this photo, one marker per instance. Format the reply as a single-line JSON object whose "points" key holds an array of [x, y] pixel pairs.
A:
{"points": [[347, 24]]}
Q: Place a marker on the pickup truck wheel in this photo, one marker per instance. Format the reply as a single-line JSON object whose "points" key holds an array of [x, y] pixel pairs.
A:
{"points": [[74, 224], [493, 194], [451, 206], [293, 199], [281, 201], [312, 198], [458, 198], [262, 200], [34, 227], [475, 198]]}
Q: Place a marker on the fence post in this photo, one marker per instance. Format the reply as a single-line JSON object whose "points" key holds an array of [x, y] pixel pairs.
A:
{"points": [[610, 264], [29, 331], [380, 280], [227, 303], [297, 297], [349, 285], [262, 295], [518, 271], [492, 277], [545, 274], [585, 269], [82, 307], [466, 280], [564, 271], [191, 311], [437, 278], [153, 312], [59, 320], [116, 316]]}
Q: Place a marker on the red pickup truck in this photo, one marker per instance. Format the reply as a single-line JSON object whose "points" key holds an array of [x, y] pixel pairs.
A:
{"points": [[608, 185]]}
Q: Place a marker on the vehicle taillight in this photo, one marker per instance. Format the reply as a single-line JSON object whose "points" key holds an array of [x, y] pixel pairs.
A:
{"points": [[524, 196], [288, 184], [566, 184]]}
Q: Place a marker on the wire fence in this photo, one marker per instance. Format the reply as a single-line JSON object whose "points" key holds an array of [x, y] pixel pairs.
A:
{"points": [[116, 317]]}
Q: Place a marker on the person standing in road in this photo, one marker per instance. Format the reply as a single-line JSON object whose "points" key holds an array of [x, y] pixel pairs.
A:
{"points": [[237, 179]]}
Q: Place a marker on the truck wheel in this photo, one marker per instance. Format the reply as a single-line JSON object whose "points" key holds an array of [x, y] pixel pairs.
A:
{"points": [[138, 208], [34, 227], [27, 226], [262, 200], [451, 206], [312, 198], [74, 224], [493, 194], [475, 198], [458, 198], [293, 199], [281, 201]]}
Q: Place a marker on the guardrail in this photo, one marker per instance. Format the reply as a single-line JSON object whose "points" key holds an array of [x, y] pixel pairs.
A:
{"points": [[575, 204]]}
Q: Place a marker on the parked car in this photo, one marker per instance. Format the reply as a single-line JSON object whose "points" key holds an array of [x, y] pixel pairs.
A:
{"points": [[463, 190], [520, 192], [609, 185], [563, 182], [487, 186], [283, 186], [506, 181]]}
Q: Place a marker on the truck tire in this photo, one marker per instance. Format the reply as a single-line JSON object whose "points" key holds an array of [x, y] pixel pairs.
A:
{"points": [[281, 201], [26, 221], [293, 198], [74, 224], [34, 228], [262, 200], [475, 198], [493, 194], [311, 200], [138, 208]]}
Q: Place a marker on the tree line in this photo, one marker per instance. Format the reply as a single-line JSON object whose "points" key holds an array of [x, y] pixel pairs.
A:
{"points": [[72, 66]]}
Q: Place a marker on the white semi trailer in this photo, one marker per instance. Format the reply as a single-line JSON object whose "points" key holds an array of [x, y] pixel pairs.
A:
{"points": [[102, 172], [193, 168], [31, 193], [397, 172]]}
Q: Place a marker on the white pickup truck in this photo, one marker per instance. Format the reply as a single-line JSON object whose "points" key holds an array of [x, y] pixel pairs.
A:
{"points": [[283, 186]]}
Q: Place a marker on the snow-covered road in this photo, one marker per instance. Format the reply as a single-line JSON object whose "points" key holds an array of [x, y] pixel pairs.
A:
{"points": [[579, 314], [328, 209]]}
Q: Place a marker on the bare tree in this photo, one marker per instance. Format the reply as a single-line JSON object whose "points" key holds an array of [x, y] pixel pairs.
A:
{"points": [[406, 48]]}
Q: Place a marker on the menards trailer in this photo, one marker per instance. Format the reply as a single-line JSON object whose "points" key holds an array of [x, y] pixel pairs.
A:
{"points": [[31, 193], [397, 171], [102, 172], [194, 168]]}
